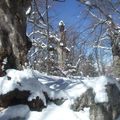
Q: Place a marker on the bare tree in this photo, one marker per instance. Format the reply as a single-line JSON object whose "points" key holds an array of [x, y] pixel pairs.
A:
{"points": [[42, 36], [106, 14]]}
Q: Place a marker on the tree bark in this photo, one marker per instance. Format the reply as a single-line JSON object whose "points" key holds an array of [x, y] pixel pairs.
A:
{"points": [[14, 44]]}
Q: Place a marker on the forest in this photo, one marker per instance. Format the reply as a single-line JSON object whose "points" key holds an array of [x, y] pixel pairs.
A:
{"points": [[59, 59], [90, 48]]}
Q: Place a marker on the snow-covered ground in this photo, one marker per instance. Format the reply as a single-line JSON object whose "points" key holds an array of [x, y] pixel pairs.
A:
{"points": [[56, 87]]}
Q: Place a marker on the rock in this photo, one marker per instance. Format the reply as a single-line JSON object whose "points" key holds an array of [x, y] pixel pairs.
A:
{"points": [[85, 100], [114, 100], [14, 97], [17, 97], [100, 111], [36, 104]]}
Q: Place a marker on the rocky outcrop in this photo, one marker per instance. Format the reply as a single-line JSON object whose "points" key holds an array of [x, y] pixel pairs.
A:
{"points": [[100, 111]]}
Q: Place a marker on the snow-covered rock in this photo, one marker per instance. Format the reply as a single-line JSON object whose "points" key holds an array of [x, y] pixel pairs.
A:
{"points": [[107, 104], [76, 98], [100, 95], [23, 87]]}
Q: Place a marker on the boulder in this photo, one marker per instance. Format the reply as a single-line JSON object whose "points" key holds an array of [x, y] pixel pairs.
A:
{"points": [[100, 111], [86, 100]]}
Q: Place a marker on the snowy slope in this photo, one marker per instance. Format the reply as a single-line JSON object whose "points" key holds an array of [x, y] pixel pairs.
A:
{"points": [[56, 87]]}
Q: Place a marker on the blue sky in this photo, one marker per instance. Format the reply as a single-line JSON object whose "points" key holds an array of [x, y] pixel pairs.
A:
{"points": [[67, 11], [71, 12]]}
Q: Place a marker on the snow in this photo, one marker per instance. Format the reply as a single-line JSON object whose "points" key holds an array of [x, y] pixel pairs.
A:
{"points": [[56, 87], [98, 85], [14, 112], [52, 112], [28, 10], [61, 23], [67, 49], [23, 80], [73, 88], [59, 113], [88, 3], [4, 63], [61, 44]]}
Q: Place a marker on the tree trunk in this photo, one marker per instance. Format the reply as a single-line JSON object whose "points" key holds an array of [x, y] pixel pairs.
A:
{"points": [[114, 35], [14, 44]]}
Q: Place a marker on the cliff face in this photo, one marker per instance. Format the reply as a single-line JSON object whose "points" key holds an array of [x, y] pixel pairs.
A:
{"points": [[14, 43]]}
